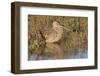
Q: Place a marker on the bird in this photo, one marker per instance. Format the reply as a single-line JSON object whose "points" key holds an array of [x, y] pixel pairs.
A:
{"points": [[56, 32]]}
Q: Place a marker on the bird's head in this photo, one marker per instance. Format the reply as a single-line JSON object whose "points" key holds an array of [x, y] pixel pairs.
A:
{"points": [[55, 24]]}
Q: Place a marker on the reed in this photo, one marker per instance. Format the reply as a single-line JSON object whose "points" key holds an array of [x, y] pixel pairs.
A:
{"points": [[39, 25]]}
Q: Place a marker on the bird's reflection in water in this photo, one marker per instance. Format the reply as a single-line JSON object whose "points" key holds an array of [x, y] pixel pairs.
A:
{"points": [[54, 51], [50, 51]]}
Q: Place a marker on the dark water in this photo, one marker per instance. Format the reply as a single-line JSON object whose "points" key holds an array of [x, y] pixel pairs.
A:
{"points": [[54, 51]]}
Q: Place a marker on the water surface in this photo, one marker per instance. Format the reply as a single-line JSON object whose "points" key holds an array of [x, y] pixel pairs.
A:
{"points": [[55, 51]]}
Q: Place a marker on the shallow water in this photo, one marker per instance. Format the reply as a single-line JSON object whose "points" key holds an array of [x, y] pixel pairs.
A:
{"points": [[54, 51]]}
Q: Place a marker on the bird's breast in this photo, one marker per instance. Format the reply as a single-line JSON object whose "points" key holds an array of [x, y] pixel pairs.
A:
{"points": [[55, 35]]}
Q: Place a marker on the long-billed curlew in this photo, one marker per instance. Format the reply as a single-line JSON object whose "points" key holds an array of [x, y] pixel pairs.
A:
{"points": [[56, 33]]}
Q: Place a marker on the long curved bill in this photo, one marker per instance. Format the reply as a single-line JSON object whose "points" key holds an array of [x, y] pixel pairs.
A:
{"points": [[68, 30]]}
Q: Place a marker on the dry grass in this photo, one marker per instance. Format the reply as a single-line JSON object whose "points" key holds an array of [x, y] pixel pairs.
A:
{"points": [[39, 25]]}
